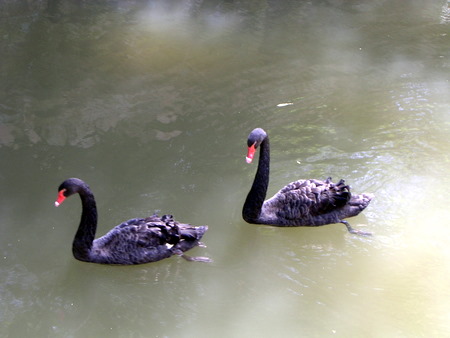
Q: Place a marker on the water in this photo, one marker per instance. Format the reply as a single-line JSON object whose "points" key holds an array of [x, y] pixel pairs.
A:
{"points": [[151, 104]]}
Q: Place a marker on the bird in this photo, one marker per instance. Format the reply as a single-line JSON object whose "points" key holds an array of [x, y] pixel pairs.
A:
{"points": [[136, 241], [309, 202]]}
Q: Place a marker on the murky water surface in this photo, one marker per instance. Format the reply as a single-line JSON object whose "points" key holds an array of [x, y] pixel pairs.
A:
{"points": [[151, 103]]}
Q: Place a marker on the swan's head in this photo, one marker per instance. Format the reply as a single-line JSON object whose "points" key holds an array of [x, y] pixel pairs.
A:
{"points": [[67, 188], [256, 137]]}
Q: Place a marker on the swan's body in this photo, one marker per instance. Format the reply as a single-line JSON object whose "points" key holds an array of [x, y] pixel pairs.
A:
{"points": [[136, 241], [300, 203]]}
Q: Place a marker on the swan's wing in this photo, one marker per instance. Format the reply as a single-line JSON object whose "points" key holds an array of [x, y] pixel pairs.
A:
{"points": [[309, 198], [147, 233]]}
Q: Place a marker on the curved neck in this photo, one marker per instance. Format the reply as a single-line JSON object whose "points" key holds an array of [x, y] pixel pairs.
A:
{"points": [[82, 243], [255, 198]]}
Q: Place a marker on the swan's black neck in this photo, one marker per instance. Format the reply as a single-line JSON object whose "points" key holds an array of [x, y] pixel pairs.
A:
{"points": [[255, 198], [82, 243]]}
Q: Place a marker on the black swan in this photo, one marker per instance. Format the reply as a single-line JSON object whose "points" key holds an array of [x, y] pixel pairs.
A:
{"points": [[136, 241], [300, 203]]}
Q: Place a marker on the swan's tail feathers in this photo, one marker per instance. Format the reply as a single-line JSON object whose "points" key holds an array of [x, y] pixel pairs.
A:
{"points": [[357, 204], [192, 233], [190, 237], [362, 200]]}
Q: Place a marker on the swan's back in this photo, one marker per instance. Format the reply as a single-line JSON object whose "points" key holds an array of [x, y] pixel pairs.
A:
{"points": [[311, 203], [144, 240]]}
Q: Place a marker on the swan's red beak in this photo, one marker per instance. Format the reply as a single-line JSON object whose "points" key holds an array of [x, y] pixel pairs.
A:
{"points": [[60, 198], [250, 153]]}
